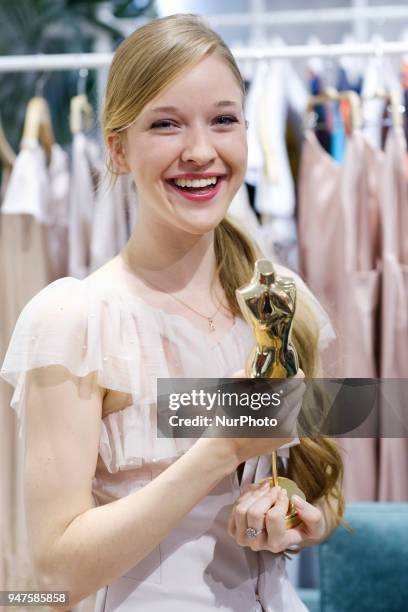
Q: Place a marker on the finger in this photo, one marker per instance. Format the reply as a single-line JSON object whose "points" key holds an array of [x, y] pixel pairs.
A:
{"points": [[249, 491], [275, 519], [245, 502], [256, 512], [310, 515], [292, 537], [252, 494]]}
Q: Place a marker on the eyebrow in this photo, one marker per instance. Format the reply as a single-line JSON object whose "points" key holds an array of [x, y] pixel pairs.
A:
{"points": [[174, 109]]}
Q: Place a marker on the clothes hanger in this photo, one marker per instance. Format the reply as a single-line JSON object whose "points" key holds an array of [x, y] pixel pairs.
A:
{"points": [[397, 107], [330, 94], [393, 97], [81, 112], [7, 155], [37, 123]]}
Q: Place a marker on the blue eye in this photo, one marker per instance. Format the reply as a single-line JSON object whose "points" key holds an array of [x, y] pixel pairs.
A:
{"points": [[220, 120], [226, 119], [166, 123]]}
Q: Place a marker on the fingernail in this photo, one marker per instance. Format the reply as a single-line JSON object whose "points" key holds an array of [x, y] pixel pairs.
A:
{"points": [[298, 501], [284, 493], [265, 486]]}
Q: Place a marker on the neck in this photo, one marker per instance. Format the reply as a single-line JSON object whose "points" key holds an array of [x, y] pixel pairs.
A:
{"points": [[171, 260]]}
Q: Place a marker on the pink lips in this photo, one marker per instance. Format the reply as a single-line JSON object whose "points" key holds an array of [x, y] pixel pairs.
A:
{"points": [[204, 196]]}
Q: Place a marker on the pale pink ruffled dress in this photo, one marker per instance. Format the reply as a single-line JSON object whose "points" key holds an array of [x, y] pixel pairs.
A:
{"points": [[129, 344]]}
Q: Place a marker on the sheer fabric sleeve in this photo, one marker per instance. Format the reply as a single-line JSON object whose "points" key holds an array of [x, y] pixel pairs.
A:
{"points": [[65, 325]]}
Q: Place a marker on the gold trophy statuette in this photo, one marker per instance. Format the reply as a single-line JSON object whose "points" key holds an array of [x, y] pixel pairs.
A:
{"points": [[268, 304]]}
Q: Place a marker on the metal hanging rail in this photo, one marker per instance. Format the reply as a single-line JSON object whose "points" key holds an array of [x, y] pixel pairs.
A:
{"points": [[75, 61], [343, 14], [311, 16]]}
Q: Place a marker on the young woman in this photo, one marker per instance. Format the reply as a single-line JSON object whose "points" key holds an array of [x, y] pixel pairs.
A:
{"points": [[156, 523]]}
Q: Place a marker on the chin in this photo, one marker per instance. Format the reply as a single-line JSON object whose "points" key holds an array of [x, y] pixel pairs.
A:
{"points": [[199, 229], [201, 223]]}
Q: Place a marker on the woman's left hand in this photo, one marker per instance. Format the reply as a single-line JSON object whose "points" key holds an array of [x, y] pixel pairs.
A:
{"points": [[264, 508]]}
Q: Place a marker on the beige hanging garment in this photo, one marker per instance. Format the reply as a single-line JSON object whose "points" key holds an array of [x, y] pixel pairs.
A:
{"points": [[320, 234], [394, 320], [359, 301], [7, 159], [23, 254], [32, 252]]}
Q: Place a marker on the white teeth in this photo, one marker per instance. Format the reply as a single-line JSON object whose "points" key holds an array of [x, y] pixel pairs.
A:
{"points": [[195, 182]]}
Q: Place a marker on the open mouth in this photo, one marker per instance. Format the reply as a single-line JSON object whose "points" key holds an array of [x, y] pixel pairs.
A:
{"points": [[196, 186]]}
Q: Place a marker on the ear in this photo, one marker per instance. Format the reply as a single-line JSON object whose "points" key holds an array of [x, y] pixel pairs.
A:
{"points": [[117, 151]]}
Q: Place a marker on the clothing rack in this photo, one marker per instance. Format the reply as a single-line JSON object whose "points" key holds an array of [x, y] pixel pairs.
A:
{"points": [[76, 61], [310, 16], [252, 18]]}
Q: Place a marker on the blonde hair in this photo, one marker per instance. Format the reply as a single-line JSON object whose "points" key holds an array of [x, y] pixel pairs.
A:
{"points": [[144, 65], [150, 59]]}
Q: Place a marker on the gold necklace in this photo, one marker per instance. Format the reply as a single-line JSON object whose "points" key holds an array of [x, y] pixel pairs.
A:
{"points": [[209, 319]]}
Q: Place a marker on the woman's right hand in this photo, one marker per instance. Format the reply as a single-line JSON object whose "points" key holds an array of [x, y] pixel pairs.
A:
{"points": [[245, 448]]}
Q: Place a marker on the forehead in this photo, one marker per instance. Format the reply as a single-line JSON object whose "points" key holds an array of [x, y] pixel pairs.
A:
{"points": [[206, 84]]}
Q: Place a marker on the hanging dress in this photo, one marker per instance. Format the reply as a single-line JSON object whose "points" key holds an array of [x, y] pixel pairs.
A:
{"points": [[32, 218], [320, 230], [394, 320], [113, 220], [276, 88], [86, 170], [339, 238], [359, 299]]}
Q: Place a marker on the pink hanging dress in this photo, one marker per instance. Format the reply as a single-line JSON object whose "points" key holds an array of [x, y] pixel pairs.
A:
{"points": [[394, 319]]}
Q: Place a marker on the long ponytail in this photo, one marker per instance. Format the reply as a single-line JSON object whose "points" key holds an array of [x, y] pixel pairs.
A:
{"points": [[315, 462]]}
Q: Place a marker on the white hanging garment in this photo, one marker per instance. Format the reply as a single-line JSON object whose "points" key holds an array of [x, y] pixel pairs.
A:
{"points": [[240, 209], [86, 169], [276, 87], [42, 190], [114, 219], [379, 76]]}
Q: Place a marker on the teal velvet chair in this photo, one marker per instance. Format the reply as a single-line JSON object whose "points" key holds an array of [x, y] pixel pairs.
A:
{"points": [[367, 570]]}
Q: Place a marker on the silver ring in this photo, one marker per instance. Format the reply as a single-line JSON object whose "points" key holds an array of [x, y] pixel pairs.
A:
{"points": [[252, 533]]}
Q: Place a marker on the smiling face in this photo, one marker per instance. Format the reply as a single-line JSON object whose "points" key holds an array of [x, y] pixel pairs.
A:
{"points": [[194, 131]]}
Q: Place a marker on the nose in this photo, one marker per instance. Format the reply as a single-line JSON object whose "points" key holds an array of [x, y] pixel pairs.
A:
{"points": [[198, 147]]}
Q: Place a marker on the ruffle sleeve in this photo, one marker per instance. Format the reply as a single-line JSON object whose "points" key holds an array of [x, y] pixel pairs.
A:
{"points": [[69, 324], [66, 324]]}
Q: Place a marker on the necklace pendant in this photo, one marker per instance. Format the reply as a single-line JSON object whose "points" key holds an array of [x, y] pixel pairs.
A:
{"points": [[211, 324]]}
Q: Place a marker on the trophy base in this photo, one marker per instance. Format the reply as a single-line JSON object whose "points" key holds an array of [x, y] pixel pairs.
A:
{"points": [[291, 519]]}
